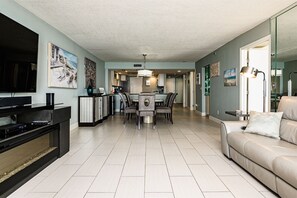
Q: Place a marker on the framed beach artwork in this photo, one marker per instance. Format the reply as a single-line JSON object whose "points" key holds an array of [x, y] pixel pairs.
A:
{"points": [[62, 68], [230, 77], [90, 73], [215, 69]]}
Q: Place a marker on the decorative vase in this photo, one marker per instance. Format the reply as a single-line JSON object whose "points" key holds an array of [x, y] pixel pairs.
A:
{"points": [[90, 90]]}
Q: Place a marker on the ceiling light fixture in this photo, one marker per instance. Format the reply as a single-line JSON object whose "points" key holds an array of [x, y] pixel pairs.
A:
{"points": [[144, 72]]}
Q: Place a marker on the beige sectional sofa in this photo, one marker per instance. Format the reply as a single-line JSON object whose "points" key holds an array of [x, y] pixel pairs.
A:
{"points": [[271, 161]]}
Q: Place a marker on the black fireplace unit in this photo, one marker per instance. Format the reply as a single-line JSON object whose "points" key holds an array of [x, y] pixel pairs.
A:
{"points": [[37, 135]]}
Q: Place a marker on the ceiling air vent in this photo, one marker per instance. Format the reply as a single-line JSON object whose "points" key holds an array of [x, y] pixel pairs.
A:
{"points": [[137, 65]]}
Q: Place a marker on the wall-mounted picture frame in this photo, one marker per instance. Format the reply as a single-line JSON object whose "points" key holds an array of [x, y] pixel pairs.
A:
{"points": [[230, 77], [90, 73], [215, 69], [148, 82], [62, 68]]}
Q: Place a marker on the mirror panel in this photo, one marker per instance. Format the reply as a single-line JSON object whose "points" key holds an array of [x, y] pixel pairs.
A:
{"points": [[284, 56]]}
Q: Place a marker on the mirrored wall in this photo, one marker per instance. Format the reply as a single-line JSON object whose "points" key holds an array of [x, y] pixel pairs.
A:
{"points": [[284, 56]]}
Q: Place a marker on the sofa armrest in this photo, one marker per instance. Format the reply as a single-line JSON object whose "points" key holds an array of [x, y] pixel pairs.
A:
{"points": [[228, 127]]}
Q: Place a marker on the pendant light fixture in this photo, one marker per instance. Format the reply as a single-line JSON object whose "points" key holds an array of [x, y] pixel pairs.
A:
{"points": [[144, 72]]}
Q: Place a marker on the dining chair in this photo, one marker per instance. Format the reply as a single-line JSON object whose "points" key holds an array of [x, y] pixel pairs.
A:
{"points": [[146, 107], [167, 110], [166, 101], [128, 111], [130, 102]]}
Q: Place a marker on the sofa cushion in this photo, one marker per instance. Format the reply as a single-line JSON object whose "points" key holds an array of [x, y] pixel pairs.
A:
{"points": [[237, 140], [267, 123], [288, 105], [288, 131], [260, 149], [285, 168], [264, 151]]}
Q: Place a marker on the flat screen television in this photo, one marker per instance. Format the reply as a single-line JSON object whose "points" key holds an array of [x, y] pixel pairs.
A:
{"points": [[18, 57]]}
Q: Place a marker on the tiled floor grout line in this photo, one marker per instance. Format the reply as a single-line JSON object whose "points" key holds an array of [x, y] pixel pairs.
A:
{"points": [[172, 140], [207, 165], [123, 163], [188, 164], [104, 161], [166, 165]]}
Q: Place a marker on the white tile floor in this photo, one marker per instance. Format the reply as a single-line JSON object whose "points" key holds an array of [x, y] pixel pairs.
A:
{"points": [[111, 160]]}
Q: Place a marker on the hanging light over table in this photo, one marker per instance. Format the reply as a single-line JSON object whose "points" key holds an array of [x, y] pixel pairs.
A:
{"points": [[144, 72]]}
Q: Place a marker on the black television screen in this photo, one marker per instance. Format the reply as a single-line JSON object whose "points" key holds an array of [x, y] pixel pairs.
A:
{"points": [[18, 57]]}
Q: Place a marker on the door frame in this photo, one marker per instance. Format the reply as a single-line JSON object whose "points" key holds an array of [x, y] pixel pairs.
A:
{"points": [[242, 84]]}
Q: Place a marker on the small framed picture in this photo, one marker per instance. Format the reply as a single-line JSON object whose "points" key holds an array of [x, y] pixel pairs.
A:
{"points": [[230, 77], [147, 82]]}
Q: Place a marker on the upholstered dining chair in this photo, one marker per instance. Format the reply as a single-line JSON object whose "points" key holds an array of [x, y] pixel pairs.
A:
{"points": [[130, 102], [128, 111], [167, 110], [146, 107], [166, 101]]}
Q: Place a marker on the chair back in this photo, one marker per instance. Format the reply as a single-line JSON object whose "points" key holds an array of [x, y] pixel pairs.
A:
{"points": [[166, 102], [124, 100], [146, 102], [129, 101], [171, 100]]}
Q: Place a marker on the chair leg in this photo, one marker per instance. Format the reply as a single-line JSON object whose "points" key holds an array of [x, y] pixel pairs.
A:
{"points": [[171, 118], [139, 122], [154, 121], [136, 120], [124, 118]]}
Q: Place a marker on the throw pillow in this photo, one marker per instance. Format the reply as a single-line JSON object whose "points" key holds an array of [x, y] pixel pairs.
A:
{"points": [[267, 124]]}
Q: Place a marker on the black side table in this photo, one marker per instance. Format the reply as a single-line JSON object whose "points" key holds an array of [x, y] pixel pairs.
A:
{"points": [[233, 113]]}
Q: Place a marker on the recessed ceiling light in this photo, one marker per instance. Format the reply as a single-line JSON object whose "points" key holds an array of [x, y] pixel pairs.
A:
{"points": [[126, 71], [178, 71]]}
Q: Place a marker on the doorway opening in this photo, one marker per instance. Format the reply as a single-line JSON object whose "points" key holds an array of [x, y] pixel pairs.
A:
{"points": [[206, 90], [255, 91]]}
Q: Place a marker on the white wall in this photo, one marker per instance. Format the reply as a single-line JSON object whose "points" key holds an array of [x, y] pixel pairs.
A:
{"points": [[136, 84], [259, 60], [170, 85]]}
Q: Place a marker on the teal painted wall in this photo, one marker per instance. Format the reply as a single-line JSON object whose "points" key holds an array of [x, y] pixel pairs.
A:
{"points": [[49, 34], [227, 98]]}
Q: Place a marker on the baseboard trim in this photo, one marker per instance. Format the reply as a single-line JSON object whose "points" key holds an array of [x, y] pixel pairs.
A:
{"points": [[215, 119], [73, 126], [201, 113]]}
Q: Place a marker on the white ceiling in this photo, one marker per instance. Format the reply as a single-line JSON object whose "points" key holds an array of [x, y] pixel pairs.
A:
{"points": [[167, 30]]}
